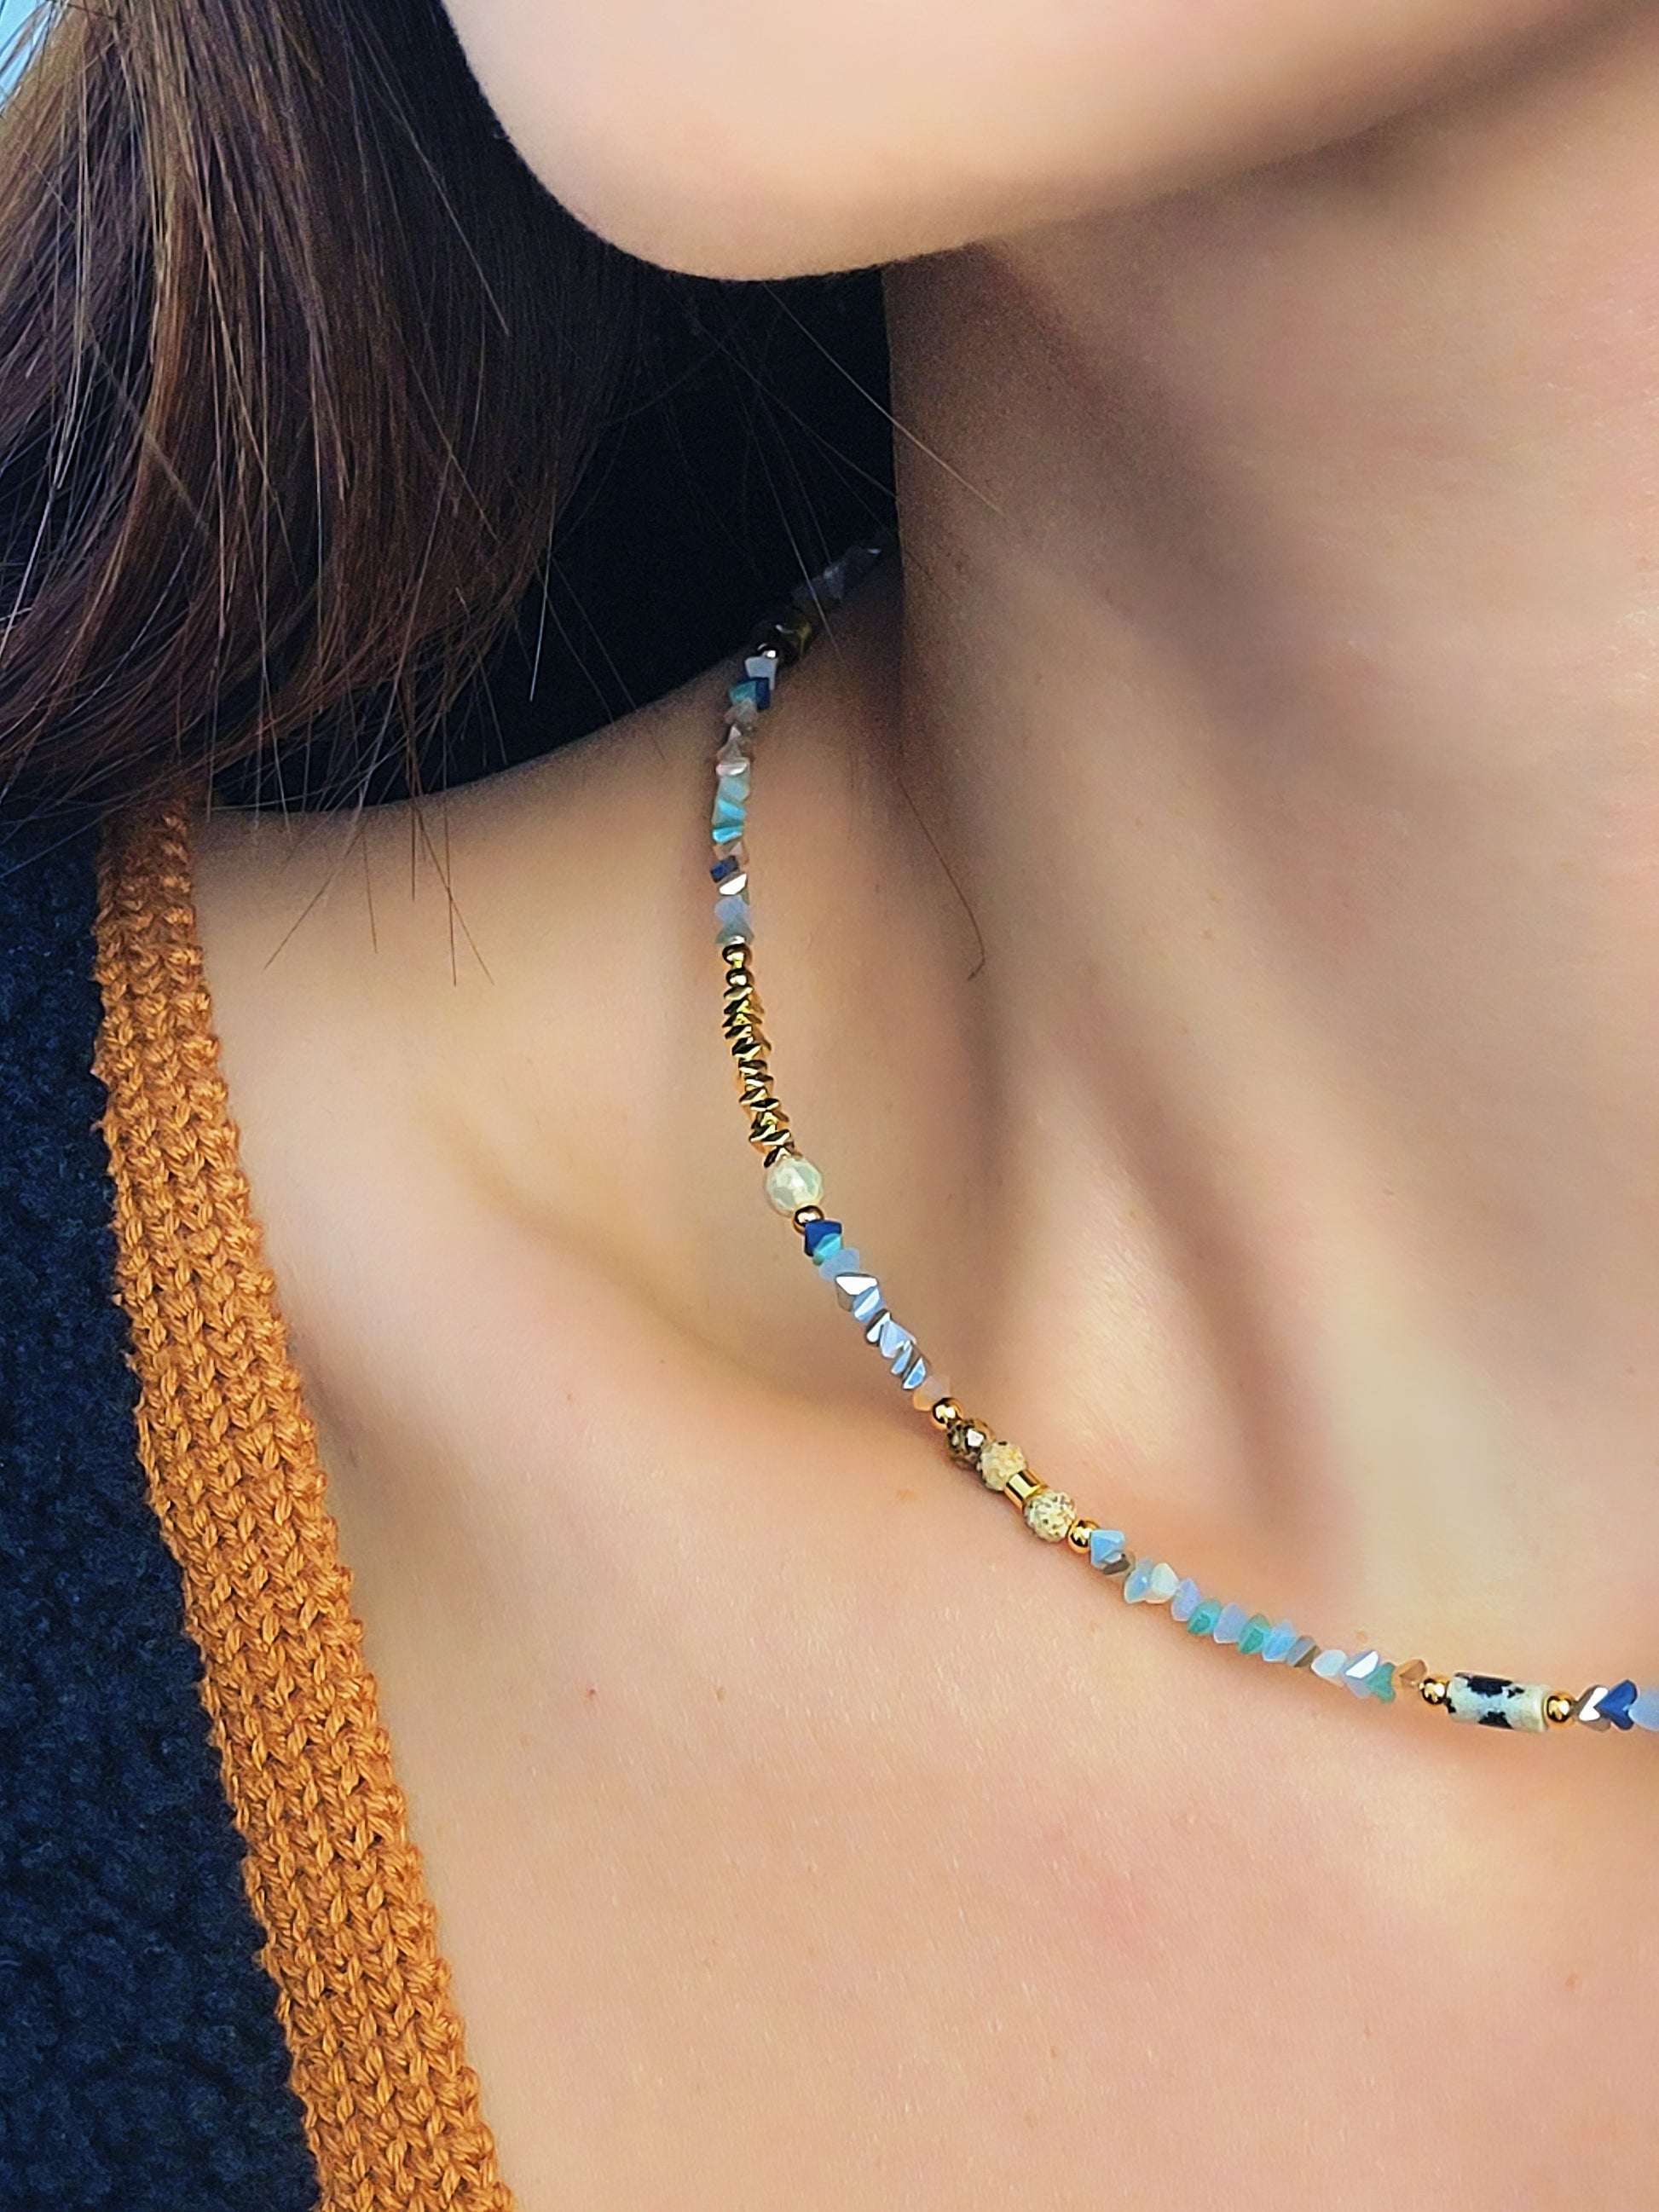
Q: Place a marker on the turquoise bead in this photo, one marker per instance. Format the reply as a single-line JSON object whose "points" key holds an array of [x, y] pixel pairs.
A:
{"points": [[1253, 1635], [1230, 1624], [1205, 1617], [1136, 1581], [1381, 1683], [1278, 1644], [1185, 1603]]}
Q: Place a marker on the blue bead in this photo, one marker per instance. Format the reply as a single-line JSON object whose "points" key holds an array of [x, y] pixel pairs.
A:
{"points": [[1185, 1603], [915, 1375], [837, 1259], [1231, 1624], [727, 865], [1105, 1544], [1280, 1644], [867, 1305], [732, 910], [817, 1232], [752, 689], [1616, 1705], [1645, 1711], [1137, 1582]]}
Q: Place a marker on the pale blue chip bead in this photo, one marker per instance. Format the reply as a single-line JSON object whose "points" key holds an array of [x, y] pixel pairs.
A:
{"points": [[1105, 1546], [1645, 1711], [838, 1259], [1360, 1671], [1186, 1602], [1137, 1582], [1230, 1623], [1329, 1664], [1281, 1641]]}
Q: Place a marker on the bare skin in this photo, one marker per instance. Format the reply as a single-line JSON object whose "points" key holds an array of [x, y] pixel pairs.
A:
{"points": [[1275, 670]]}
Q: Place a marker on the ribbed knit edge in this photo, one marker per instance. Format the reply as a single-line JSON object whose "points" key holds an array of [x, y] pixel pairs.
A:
{"points": [[391, 2108]]}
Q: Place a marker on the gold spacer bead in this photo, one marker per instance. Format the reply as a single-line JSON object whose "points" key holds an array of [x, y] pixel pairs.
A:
{"points": [[1557, 1707], [945, 1413], [1018, 1487], [1078, 1533], [804, 1216], [1433, 1689], [735, 955]]}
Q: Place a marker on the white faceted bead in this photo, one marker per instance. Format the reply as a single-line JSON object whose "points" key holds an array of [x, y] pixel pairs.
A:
{"points": [[793, 1181], [999, 1463], [1050, 1513]]}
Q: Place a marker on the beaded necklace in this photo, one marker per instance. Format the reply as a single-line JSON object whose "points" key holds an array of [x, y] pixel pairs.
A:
{"points": [[795, 1187]]}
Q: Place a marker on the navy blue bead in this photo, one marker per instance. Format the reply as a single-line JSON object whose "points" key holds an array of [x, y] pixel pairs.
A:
{"points": [[725, 867], [816, 1233], [1616, 1705]]}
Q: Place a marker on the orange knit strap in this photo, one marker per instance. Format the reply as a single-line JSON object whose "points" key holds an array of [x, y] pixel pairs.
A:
{"points": [[391, 2107]]}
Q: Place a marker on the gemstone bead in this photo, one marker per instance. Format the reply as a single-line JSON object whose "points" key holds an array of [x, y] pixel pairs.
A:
{"points": [[1276, 1646], [1303, 1652], [1050, 1513], [998, 1462], [1645, 1711], [1136, 1583], [817, 1233], [1253, 1635], [1205, 1615], [1186, 1600], [793, 1181], [1162, 1584], [1586, 1707], [1328, 1664], [1230, 1624], [1618, 1702], [1105, 1546], [929, 1391], [1381, 1685], [1358, 1673], [1412, 1675], [1493, 1701], [837, 1259]]}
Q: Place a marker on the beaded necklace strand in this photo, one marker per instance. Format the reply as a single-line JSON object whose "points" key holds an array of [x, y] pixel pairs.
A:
{"points": [[795, 1187]]}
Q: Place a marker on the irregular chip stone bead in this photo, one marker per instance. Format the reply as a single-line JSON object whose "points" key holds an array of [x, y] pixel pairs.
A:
{"points": [[1328, 1664], [1205, 1617], [1137, 1582], [1230, 1624], [1162, 1585], [1105, 1546], [1303, 1652], [1493, 1701], [1645, 1711], [1586, 1707], [1276, 1647], [1186, 1600], [1050, 1513], [1359, 1670], [1253, 1634], [998, 1463]]}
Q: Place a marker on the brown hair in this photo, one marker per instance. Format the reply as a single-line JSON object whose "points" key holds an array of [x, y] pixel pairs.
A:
{"points": [[297, 364]]}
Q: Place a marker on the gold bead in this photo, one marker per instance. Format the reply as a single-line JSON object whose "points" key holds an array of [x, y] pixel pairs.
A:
{"points": [[804, 1216], [945, 1413], [1433, 1689], [1025, 1485], [1557, 1707], [1078, 1533]]}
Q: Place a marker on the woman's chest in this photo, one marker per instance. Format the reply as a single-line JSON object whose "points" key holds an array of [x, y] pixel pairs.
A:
{"points": [[804, 1837]]}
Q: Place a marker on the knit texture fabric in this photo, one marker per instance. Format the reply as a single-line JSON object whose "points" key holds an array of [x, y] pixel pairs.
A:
{"points": [[391, 2107], [142, 2066]]}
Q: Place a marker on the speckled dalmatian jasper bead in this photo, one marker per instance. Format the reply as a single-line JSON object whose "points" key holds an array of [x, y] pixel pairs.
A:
{"points": [[1050, 1513], [1491, 1701]]}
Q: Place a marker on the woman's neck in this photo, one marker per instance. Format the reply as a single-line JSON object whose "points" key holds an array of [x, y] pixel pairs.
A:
{"points": [[1280, 689]]}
